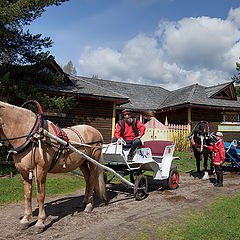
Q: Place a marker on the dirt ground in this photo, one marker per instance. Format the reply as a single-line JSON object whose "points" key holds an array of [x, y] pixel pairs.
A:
{"points": [[122, 217]]}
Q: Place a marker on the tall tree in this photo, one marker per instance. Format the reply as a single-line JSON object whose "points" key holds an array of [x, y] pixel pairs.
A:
{"points": [[69, 68], [236, 79], [18, 46], [22, 58]]}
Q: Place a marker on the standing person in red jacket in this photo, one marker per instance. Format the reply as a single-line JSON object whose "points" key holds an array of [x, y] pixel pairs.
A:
{"points": [[218, 158], [131, 130]]}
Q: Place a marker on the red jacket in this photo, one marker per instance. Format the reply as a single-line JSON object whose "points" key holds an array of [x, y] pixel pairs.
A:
{"points": [[128, 133], [218, 152]]}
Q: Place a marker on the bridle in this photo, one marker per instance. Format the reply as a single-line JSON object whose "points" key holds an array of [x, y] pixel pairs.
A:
{"points": [[30, 138], [191, 137]]}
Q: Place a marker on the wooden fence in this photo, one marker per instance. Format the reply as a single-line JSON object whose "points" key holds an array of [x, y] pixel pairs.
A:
{"points": [[155, 130]]}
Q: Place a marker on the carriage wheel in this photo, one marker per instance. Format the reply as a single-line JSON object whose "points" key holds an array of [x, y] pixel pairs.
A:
{"points": [[173, 179], [141, 187]]}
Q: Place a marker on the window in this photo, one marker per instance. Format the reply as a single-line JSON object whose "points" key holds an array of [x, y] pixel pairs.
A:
{"points": [[231, 117]]}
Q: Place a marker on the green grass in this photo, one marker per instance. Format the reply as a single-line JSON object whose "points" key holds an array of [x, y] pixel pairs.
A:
{"points": [[186, 163], [11, 190], [220, 220]]}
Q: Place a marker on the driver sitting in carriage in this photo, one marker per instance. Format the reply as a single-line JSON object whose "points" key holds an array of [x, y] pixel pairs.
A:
{"points": [[131, 130]]}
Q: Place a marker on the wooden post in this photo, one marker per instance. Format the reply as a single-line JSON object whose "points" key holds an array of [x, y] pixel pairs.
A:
{"points": [[113, 118], [189, 119], [189, 122]]}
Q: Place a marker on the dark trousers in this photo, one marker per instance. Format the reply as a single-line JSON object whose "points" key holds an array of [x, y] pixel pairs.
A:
{"points": [[219, 173], [132, 144]]}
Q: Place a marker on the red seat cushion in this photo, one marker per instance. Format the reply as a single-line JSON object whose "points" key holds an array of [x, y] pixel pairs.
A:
{"points": [[157, 147]]}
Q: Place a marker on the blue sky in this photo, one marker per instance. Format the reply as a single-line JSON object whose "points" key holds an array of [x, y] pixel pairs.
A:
{"points": [[170, 43]]}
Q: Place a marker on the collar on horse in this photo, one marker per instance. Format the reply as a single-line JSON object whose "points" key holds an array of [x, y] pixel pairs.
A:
{"points": [[35, 129]]}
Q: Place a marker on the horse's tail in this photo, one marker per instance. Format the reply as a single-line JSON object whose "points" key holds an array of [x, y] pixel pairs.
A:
{"points": [[100, 186]]}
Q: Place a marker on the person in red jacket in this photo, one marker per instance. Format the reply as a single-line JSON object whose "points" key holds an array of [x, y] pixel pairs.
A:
{"points": [[131, 130], [218, 158]]}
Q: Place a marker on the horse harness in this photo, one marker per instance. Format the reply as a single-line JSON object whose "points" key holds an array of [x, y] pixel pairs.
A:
{"points": [[191, 137], [35, 136]]}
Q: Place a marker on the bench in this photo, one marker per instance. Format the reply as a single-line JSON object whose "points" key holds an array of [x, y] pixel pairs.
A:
{"points": [[158, 147]]}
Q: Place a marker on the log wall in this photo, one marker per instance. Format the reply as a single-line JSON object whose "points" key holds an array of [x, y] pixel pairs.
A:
{"points": [[98, 114]]}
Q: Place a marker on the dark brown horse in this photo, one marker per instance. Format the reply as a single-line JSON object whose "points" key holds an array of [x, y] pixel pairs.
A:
{"points": [[15, 125], [200, 137]]}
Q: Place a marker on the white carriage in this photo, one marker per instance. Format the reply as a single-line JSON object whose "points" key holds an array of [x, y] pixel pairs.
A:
{"points": [[156, 156]]}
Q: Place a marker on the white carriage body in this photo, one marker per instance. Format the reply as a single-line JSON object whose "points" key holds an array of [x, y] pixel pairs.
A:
{"points": [[143, 159]]}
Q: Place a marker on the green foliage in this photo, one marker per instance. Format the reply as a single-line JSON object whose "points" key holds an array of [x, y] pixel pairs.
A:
{"points": [[236, 78], [58, 104], [237, 89], [23, 63], [18, 46], [69, 68], [21, 83]]}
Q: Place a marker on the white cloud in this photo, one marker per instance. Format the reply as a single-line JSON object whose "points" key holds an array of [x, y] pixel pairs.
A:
{"points": [[234, 16], [198, 42], [192, 50]]}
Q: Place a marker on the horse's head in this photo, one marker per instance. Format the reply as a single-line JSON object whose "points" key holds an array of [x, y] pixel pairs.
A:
{"points": [[200, 136]]}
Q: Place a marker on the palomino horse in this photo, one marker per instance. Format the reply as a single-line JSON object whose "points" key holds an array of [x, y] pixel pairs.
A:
{"points": [[16, 128], [200, 137]]}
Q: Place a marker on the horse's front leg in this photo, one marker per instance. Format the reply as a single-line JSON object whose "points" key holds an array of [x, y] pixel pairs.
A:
{"points": [[197, 156], [28, 203], [206, 175], [40, 184]]}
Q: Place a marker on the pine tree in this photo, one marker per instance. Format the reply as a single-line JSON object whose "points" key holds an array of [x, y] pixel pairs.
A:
{"points": [[18, 46], [22, 58], [236, 79], [69, 68]]}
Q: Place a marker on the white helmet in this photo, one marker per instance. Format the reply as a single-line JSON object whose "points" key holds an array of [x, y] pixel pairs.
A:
{"points": [[219, 134]]}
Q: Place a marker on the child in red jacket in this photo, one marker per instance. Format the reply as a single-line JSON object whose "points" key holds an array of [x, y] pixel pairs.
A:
{"points": [[218, 158]]}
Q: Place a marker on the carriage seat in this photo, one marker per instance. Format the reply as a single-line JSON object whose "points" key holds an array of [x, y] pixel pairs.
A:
{"points": [[157, 147]]}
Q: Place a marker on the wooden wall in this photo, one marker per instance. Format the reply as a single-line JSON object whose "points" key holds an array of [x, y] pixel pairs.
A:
{"points": [[174, 117], [98, 114], [212, 116]]}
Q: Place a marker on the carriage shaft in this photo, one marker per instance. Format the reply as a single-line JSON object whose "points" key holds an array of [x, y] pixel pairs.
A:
{"points": [[46, 133]]}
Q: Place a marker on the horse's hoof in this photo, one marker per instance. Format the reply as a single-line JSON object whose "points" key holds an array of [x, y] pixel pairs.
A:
{"points": [[88, 208], [206, 176], [23, 226], [39, 229]]}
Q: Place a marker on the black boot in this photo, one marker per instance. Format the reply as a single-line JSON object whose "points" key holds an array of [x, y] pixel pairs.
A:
{"points": [[219, 181]]}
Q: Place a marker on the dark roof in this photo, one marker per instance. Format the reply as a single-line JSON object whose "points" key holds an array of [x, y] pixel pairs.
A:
{"points": [[142, 97], [82, 87], [215, 89], [197, 95]]}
